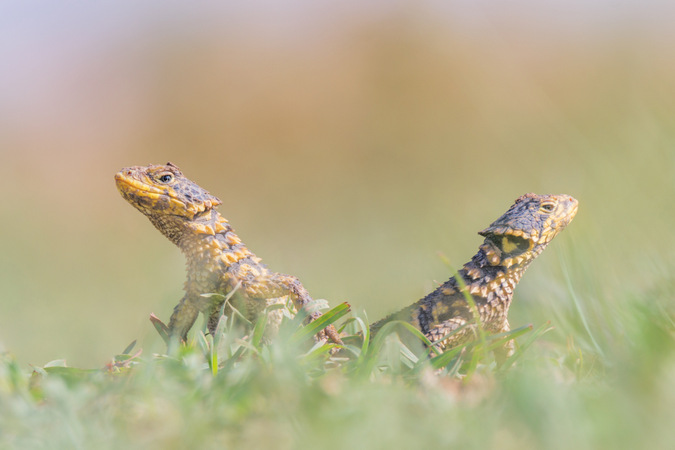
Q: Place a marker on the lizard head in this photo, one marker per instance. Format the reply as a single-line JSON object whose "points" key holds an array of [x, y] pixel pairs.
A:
{"points": [[522, 233], [163, 191]]}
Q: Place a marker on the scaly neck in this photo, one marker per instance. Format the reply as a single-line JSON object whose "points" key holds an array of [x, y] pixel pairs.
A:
{"points": [[210, 240], [493, 274]]}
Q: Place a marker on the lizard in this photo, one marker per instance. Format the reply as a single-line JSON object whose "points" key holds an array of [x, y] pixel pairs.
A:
{"points": [[511, 243], [218, 262]]}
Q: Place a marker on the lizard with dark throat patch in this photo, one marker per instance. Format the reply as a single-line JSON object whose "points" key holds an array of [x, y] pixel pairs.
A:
{"points": [[511, 243]]}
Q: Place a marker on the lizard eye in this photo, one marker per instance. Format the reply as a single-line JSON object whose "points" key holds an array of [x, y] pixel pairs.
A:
{"points": [[165, 178], [547, 207]]}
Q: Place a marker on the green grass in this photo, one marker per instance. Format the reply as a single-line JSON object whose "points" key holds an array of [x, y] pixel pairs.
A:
{"points": [[596, 388]]}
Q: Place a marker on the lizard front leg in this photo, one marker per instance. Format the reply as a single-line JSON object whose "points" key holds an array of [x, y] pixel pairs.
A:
{"points": [[441, 333], [504, 352], [184, 315], [301, 300], [279, 285]]}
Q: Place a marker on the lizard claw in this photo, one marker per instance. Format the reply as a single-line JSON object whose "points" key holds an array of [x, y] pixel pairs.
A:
{"points": [[330, 333]]}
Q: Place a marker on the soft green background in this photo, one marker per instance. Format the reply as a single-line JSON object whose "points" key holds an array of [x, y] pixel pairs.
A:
{"points": [[349, 144]]}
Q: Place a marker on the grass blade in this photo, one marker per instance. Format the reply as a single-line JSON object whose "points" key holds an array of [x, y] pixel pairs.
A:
{"points": [[544, 328], [314, 327]]}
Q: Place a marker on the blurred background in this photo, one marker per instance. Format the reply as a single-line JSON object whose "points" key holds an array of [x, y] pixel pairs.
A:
{"points": [[350, 142]]}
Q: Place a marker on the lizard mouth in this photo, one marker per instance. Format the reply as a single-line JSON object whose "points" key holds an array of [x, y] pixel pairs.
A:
{"points": [[129, 185], [123, 179], [145, 196]]}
